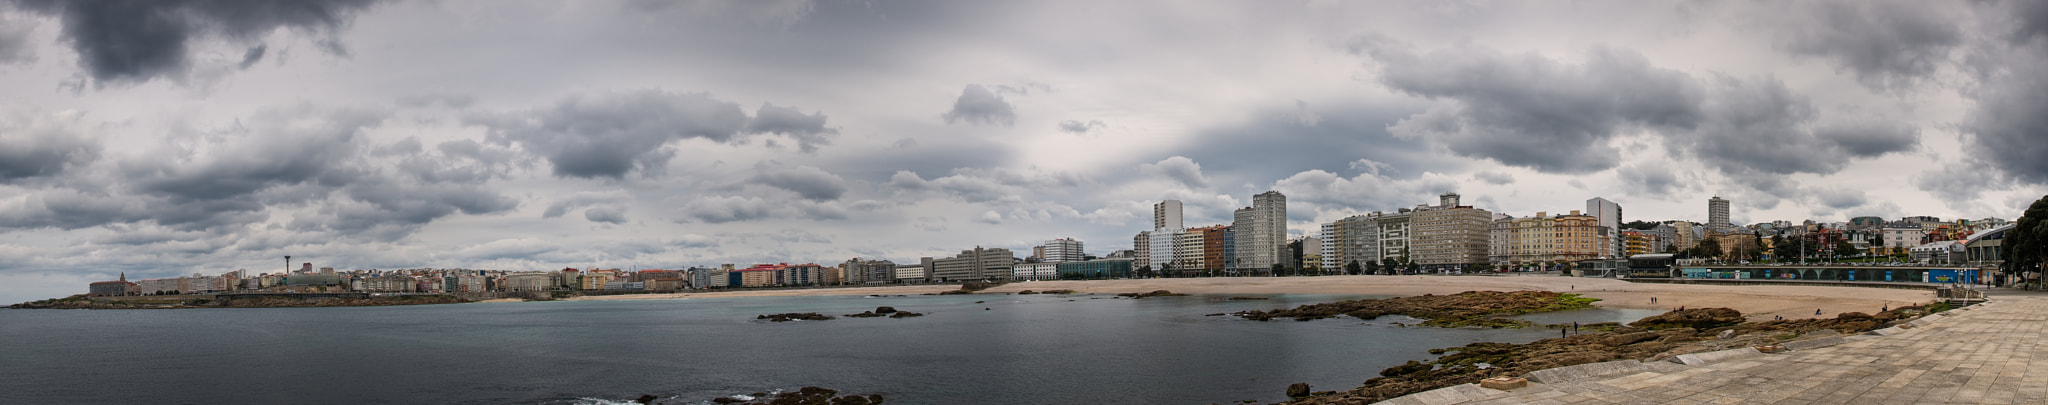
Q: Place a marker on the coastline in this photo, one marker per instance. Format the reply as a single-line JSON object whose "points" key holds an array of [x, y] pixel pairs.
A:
{"points": [[1756, 303]]}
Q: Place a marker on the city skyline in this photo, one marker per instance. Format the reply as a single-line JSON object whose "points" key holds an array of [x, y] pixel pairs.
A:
{"points": [[537, 135]]}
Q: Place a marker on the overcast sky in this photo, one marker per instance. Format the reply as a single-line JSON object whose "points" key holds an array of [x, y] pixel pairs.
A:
{"points": [[171, 137]]}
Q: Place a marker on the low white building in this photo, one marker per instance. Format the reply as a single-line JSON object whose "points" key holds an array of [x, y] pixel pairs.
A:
{"points": [[1035, 271], [1943, 252]]}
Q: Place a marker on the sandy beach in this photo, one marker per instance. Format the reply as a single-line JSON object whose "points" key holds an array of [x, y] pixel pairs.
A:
{"points": [[1756, 302]]}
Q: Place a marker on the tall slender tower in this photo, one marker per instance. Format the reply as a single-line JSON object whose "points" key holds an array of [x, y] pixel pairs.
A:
{"points": [[1717, 215], [1269, 229], [1166, 215]]}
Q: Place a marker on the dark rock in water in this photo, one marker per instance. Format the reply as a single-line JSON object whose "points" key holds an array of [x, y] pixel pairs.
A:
{"points": [[1216, 314], [1157, 293], [1297, 390], [793, 316], [905, 314], [806, 396], [978, 302], [985, 309], [885, 310], [1405, 369], [1026, 292], [646, 399], [878, 312]]}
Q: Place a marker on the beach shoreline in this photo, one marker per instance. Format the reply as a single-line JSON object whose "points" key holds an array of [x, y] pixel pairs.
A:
{"points": [[1755, 302]]}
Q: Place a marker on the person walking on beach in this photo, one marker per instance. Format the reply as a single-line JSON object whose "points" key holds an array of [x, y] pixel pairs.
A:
{"points": [[1816, 312], [1653, 300]]}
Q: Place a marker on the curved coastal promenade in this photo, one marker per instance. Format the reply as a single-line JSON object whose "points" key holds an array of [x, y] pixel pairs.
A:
{"points": [[1988, 353]]}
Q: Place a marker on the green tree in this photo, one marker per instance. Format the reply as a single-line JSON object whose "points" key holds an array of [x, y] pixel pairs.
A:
{"points": [[1391, 265], [1708, 248], [1372, 267], [2026, 244], [1279, 269], [1353, 268], [1671, 247]]}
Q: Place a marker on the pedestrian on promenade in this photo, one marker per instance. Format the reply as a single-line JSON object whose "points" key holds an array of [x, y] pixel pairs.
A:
{"points": [[1816, 312], [1887, 308]]}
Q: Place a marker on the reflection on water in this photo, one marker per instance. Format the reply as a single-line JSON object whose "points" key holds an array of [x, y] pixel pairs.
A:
{"points": [[1007, 349]]}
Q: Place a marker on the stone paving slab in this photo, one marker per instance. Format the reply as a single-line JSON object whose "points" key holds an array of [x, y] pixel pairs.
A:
{"points": [[1987, 353]]}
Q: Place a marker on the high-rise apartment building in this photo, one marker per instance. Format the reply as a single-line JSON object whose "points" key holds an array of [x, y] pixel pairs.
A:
{"points": [[1261, 232], [1141, 250], [1609, 215], [1163, 252], [1352, 239], [1166, 215], [1241, 225], [1717, 215], [1062, 250], [1449, 235], [1214, 240]]}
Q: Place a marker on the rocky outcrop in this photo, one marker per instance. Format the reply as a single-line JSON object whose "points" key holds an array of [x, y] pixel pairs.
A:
{"points": [[1470, 308], [1668, 336], [1156, 293], [1696, 318], [804, 396], [795, 316], [884, 311], [1297, 390]]}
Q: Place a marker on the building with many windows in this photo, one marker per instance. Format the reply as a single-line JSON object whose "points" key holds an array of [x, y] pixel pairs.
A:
{"points": [[975, 264], [1062, 250], [1261, 233], [1449, 236]]}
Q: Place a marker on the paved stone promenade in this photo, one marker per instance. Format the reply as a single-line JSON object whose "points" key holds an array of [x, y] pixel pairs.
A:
{"points": [[1989, 353]]}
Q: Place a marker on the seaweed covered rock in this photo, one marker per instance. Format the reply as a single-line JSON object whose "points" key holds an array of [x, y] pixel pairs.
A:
{"points": [[1470, 308], [1654, 338], [1696, 318]]}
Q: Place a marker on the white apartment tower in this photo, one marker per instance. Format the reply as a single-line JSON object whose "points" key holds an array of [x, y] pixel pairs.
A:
{"points": [[1609, 214], [1166, 215], [1062, 250]]}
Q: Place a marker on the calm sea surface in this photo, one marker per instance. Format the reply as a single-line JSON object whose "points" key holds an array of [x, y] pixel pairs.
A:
{"points": [[1023, 349]]}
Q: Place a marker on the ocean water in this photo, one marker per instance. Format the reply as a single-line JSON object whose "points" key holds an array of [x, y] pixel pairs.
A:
{"points": [[1011, 349]]}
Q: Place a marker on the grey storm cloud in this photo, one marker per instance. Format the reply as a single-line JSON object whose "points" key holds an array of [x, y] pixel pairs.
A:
{"points": [[253, 55], [14, 36], [610, 215], [2007, 128], [1078, 127], [811, 183], [723, 209], [1532, 111], [135, 41], [977, 105], [1888, 45], [1649, 180], [1494, 177], [29, 149], [809, 130], [614, 134], [1761, 125], [282, 148]]}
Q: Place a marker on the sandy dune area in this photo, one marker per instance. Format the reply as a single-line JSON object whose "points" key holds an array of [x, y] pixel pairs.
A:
{"points": [[1758, 302]]}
